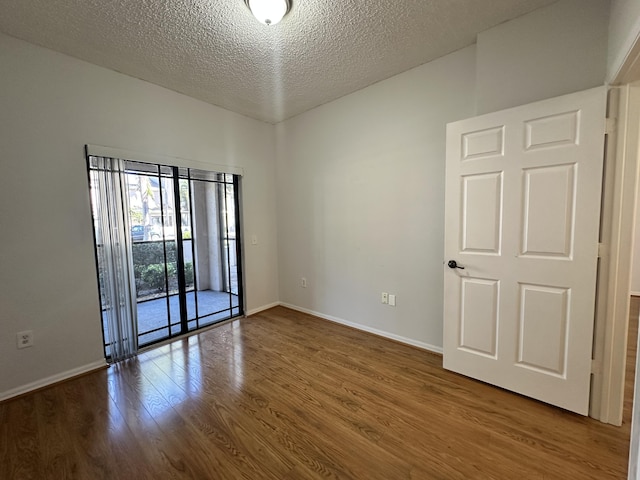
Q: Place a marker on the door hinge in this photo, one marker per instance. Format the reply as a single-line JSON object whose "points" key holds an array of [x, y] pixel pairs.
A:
{"points": [[602, 250], [596, 367], [610, 125]]}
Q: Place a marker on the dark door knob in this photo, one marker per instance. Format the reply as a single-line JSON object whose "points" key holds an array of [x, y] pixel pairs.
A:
{"points": [[453, 264]]}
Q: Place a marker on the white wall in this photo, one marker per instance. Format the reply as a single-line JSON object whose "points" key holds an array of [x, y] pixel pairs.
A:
{"points": [[50, 106], [624, 34], [361, 199], [635, 269], [624, 31], [552, 51], [361, 179]]}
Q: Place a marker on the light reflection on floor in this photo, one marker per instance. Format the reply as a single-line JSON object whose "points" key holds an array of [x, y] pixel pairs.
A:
{"points": [[164, 379]]}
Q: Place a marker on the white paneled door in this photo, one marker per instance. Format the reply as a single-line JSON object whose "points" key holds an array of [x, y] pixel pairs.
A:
{"points": [[523, 190]]}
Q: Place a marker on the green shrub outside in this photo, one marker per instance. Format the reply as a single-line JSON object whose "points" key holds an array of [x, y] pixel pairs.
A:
{"points": [[188, 273], [147, 253], [148, 268], [148, 261], [153, 276]]}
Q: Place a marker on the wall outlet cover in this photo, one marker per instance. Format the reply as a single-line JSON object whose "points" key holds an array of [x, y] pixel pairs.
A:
{"points": [[25, 339]]}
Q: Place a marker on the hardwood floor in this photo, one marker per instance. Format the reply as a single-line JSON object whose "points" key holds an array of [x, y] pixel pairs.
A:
{"points": [[282, 395]]}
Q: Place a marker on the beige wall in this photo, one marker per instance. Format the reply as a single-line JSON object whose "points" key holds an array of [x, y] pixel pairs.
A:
{"points": [[361, 179], [361, 200], [50, 106], [552, 51], [624, 31], [358, 184]]}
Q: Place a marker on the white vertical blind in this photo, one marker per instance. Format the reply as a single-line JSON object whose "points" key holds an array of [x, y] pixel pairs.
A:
{"points": [[117, 284]]}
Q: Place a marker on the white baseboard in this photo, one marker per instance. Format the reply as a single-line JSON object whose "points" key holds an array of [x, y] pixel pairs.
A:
{"points": [[634, 294], [45, 382], [364, 328], [253, 311]]}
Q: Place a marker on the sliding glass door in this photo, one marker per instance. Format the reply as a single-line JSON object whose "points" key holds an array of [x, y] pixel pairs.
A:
{"points": [[215, 288], [179, 236]]}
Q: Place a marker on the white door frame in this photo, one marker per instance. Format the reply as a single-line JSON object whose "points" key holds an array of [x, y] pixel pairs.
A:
{"points": [[615, 324], [614, 283], [618, 223]]}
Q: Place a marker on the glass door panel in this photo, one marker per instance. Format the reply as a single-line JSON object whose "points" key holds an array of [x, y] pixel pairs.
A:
{"points": [[231, 239], [188, 250], [166, 222], [213, 213], [181, 224], [154, 250]]}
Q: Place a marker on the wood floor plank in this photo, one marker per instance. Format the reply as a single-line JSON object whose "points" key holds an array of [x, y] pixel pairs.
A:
{"points": [[233, 408], [57, 455], [197, 449], [251, 452], [101, 432], [22, 441], [166, 450], [283, 395]]}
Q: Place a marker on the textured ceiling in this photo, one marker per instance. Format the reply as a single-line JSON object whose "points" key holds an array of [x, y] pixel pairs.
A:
{"points": [[215, 51]]}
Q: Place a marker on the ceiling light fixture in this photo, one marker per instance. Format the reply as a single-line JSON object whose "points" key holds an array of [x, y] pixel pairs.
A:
{"points": [[269, 12]]}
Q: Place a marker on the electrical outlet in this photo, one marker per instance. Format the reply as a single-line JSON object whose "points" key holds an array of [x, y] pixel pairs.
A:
{"points": [[385, 298], [392, 300], [303, 282], [25, 339], [254, 239]]}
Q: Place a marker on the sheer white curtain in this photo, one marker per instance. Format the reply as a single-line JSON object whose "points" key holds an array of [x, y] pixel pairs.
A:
{"points": [[117, 282]]}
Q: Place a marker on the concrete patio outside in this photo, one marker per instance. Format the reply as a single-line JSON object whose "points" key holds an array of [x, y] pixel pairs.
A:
{"points": [[152, 314]]}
